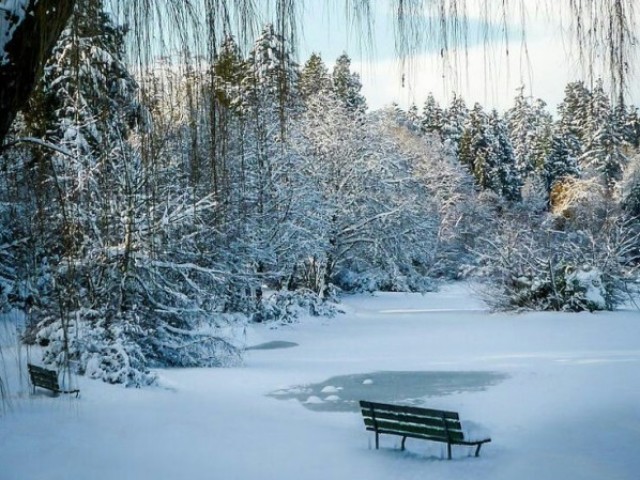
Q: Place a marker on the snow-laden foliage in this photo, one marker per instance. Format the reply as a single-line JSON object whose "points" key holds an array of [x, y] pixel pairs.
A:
{"points": [[285, 306], [630, 188], [96, 347], [119, 251], [537, 267], [147, 216]]}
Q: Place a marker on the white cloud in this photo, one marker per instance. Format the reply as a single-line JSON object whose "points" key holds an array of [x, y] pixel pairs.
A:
{"points": [[485, 73]]}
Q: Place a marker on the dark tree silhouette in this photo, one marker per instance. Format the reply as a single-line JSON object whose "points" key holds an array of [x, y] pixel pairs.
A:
{"points": [[30, 46]]}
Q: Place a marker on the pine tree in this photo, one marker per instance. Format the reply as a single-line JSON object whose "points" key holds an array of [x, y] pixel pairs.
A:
{"points": [[455, 118], [543, 137], [347, 85], [505, 178], [522, 130], [432, 116], [574, 112], [632, 127], [273, 74], [630, 188], [603, 144], [314, 77], [560, 164], [230, 72], [530, 127], [476, 147], [413, 116]]}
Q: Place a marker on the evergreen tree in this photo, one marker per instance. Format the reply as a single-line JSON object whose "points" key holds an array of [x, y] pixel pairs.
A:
{"points": [[273, 74], [347, 85], [630, 188], [543, 138], [574, 112], [453, 126], [631, 129], [476, 147], [602, 151], [413, 115], [560, 164], [314, 77], [522, 132], [486, 150], [505, 177], [432, 116], [230, 72], [530, 128]]}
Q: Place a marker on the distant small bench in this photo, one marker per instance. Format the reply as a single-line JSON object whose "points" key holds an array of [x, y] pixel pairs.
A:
{"points": [[43, 378], [414, 422]]}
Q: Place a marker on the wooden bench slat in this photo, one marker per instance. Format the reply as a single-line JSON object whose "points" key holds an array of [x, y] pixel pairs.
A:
{"points": [[411, 428], [407, 409], [407, 418]]}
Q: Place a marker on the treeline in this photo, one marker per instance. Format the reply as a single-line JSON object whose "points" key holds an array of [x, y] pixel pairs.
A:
{"points": [[526, 151], [145, 213], [565, 236]]}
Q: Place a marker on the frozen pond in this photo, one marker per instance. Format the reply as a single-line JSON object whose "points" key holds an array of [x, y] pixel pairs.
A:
{"points": [[342, 393]]}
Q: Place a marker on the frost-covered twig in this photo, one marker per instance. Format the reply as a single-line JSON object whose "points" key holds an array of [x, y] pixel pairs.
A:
{"points": [[39, 142]]}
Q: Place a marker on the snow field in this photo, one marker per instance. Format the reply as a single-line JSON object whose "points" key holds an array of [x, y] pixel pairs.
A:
{"points": [[567, 409]]}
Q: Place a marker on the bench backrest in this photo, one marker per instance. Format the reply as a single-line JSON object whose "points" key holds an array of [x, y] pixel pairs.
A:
{"points": [[43, 377], [412, 421]]}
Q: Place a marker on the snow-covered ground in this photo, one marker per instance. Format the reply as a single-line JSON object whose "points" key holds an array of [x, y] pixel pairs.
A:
{"points": [[559, 394]]}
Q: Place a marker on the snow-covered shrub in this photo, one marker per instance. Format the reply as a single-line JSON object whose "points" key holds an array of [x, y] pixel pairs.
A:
{"points": [[97, 348], [579, 202], [285, 306], [587, 289], [536, 267], [122, 348]]}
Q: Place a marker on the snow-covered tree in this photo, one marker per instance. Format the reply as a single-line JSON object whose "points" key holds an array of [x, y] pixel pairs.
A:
{"points": [[505, 176], [574, 112], [314, 77], [630, 188], [455, 118], [530, 130], [603, 144], [559, 164], [347, 85], [432, 115]]}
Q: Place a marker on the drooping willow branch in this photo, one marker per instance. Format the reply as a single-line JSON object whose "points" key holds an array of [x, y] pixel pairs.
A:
{"points": [[603, 32]]}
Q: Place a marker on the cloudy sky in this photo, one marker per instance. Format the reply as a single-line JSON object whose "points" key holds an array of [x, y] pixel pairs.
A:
{"points": [[485, 72]]}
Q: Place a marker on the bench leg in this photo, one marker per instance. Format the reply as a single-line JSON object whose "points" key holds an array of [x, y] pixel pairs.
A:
{"points": [[449, 450], [478, 450], [404, 439], [377, 441]]}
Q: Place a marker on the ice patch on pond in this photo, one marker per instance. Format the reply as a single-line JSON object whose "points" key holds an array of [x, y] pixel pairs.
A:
{"points": [[406, 387], [274, 345]]}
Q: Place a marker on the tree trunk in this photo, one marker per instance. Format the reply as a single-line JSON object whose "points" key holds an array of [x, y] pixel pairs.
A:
{"points": [[28, 50]]}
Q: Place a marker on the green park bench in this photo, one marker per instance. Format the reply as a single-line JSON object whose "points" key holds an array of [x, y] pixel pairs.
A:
{"points": [[43, 378], [414, 422]]}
